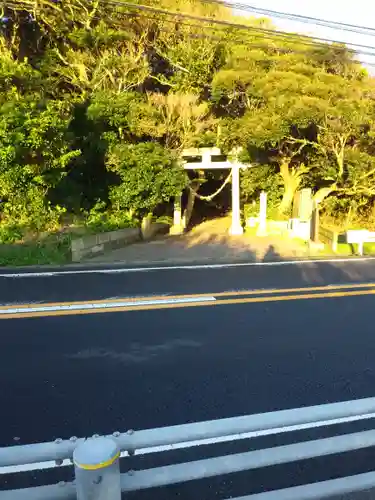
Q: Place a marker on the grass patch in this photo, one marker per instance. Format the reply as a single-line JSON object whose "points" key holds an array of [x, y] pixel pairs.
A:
{"points": [[52, 249], [345, 249], [21, 246], [369, 248], [251, 231], [348, 249]]}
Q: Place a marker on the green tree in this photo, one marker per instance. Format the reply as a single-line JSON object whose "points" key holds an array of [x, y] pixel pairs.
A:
{"points": [[149, 175], [344, 142], [301, 118], [35, 150]]}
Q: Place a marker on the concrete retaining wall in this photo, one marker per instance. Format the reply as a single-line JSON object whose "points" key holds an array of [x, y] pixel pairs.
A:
{"points": [[96, 244], [329, 237]]}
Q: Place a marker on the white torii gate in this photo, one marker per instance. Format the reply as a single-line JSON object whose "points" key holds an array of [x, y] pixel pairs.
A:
{"points": [[207, 157]]}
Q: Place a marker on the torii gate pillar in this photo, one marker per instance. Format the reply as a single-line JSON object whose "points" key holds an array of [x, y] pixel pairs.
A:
{"points": [[236, 227]]}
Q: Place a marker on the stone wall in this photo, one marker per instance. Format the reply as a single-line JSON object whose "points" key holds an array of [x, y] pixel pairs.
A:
{"points": [[96, 244], [328, 237]]}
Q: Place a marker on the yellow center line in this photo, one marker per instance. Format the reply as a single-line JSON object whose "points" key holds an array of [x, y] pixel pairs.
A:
{"points": [[148, 307], [151, 298]]}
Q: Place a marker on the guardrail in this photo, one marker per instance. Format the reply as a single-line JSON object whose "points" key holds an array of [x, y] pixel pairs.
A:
{"points": [[96, 459]]}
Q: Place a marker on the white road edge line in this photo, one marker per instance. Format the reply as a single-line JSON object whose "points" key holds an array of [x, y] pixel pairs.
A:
{"points": [[12, 469], [105, 305], [188, 267]]}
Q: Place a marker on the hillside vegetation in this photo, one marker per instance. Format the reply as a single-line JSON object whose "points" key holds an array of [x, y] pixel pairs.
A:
{"points": [[97, 100]]}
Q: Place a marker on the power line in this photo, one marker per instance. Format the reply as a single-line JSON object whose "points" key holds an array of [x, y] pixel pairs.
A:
{"points": [[247, 42], [295, 37], [296, 17], [313, 42], [302, 39], [273, 13], [243, 42]]}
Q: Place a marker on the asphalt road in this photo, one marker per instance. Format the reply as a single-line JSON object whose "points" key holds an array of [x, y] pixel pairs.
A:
{"points": [[82, 374], [84, 283]]}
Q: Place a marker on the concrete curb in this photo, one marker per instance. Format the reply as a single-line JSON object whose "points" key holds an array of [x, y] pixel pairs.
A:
{"points": [[210, 261]]}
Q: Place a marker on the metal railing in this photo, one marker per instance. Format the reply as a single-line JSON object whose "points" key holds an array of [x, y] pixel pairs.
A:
{"points": [[96, 459]]}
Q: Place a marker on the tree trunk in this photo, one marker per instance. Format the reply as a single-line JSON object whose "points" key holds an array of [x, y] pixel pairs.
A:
{"points": [[291, 184], [287, 199], [190, 204], [322, 193]]}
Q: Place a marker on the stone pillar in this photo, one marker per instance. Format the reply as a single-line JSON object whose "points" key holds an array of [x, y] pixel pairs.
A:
{"points": [[306, 204], [262, 227], [236, 227], [315, 224], [177, 227], [146, 227]]}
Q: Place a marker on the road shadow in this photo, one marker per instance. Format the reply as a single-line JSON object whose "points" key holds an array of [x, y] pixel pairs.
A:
{"points": [[216, 233], [210, 241], [310, 271]]}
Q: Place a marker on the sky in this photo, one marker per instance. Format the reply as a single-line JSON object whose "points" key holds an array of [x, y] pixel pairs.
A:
{"points": [[358, 12]]}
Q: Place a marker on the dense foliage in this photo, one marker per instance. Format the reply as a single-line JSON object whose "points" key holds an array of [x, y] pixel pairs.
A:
{"points": [[97, 100]]}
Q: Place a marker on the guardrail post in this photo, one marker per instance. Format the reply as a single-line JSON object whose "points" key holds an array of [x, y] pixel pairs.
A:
{"points": [[97, 469]]}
